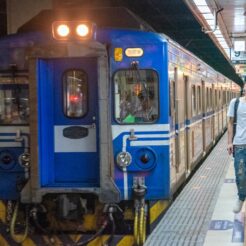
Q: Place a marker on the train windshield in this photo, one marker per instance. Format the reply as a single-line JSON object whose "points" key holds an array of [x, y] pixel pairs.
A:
{"points": [[136, 96], [14, 104]]}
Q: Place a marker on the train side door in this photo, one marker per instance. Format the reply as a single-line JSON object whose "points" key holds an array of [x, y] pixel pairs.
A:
{"points": [[186, 118], [203, 113], [68, 117], [214, 112], [176, 115]]}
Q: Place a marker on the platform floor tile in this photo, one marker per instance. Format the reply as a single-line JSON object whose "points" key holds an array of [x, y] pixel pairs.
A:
{"points": [[187, 221], [226, 228]]}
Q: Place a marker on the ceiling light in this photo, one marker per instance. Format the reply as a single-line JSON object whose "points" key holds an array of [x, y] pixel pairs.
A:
{"points": [[200, 2], [204, 9]]}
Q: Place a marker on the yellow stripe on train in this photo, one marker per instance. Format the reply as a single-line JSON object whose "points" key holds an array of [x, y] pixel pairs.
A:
{"points": [[3, 242], [2, 212], [157, 209], [126, 240]]}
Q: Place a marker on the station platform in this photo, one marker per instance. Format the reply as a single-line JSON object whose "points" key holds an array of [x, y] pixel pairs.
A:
{"points": [[202, 213]]}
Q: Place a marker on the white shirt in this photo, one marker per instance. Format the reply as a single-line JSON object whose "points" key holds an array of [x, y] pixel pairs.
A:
{"points": [[240, 137]]}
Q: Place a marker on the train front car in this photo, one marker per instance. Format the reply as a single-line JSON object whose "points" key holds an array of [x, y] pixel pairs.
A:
{"points": [[98, 158], [140, 128]]}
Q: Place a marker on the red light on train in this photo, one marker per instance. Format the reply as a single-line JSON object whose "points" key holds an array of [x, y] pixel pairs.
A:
{"points": [[73, 99], [72, 30]]}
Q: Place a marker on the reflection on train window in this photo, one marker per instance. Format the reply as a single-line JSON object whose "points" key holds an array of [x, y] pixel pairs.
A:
{"points": [[14, 104], [75, 93], [136, 96]]}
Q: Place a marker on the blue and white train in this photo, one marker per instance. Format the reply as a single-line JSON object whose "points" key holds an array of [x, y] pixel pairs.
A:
{"points": [[102, 120]]}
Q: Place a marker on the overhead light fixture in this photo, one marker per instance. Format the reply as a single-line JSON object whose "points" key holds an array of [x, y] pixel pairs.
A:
{"points": [[212, 21], [200, 2]]}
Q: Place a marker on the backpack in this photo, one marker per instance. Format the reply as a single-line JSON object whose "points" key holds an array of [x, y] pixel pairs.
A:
{"points": [[235, 117]]}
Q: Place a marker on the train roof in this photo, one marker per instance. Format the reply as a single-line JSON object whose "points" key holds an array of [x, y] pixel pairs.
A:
{"points": [[117, 17]]}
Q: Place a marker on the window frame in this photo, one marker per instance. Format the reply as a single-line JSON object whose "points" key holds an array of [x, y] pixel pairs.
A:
{"points": [[113, 97], [23, 82], [193, 101], [64, 91]]}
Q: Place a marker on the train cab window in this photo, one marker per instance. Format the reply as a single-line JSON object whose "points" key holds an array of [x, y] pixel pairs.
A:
{"points": [[136, 96], [14, 104], [75, 93]]}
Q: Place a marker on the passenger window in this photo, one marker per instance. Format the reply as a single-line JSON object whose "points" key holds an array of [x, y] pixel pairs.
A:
{"points": [[172, 97], [75, 87], [14, 104], [136, 96], [211, 99], [199, 99], [216, 99], [207, 99]]}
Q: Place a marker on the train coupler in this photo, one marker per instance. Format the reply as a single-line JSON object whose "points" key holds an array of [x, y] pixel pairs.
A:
{"points": [[140, 217]]}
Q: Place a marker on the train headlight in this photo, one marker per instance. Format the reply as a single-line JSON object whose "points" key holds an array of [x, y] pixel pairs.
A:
{"points": [[63, 30], [73, 30], [123, 159], [82, 30]]}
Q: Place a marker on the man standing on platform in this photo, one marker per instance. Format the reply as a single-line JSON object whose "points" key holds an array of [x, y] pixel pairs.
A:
{"points": [[237, 144]]}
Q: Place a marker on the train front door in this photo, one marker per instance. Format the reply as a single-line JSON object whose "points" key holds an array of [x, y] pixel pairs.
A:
{"points": [[68, 122]]}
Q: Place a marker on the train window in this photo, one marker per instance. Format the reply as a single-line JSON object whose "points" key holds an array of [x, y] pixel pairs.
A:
{"points": [[216, 99], [14, 104], [75, 93], [199, 99], [219, 101], [193, 100], [136, 96], [211, 98], [172, 97], [224, 97], [207, 99]]}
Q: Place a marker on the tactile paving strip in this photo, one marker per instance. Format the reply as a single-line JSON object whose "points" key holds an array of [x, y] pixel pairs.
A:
{"points": [[186, 222]]}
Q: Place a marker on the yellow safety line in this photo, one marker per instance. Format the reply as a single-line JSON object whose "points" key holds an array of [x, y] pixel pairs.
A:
{"points": [[157, 209]]}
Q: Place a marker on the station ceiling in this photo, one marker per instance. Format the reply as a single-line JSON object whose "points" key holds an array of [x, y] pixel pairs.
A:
{"points": [[172, 17]]}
